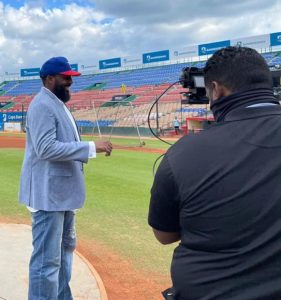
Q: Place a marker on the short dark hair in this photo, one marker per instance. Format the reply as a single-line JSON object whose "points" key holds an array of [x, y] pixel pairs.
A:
{"points": [[238, 69]]}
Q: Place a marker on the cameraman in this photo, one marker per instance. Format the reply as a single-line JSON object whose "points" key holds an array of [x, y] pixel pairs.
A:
{"points": [[218, 193]]}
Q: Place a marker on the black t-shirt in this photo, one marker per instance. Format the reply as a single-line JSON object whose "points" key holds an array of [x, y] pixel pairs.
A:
{"points": [[221, 190]]}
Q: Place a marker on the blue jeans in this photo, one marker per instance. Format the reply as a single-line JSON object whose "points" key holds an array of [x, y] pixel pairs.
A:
{"points": [[54, 241]]}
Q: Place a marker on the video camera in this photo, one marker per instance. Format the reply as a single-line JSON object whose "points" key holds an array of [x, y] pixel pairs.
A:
{"points": [[193, 79]]}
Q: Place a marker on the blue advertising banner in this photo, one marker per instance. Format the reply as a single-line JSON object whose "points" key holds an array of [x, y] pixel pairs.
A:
{"points": [[275, 39], [110, 63], [36, 71], [210, 48], [12, 117], [153, 57], [74, 67], [29, 72]]}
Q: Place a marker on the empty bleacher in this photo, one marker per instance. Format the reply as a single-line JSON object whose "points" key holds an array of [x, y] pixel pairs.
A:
{"points": [[91, 92]]}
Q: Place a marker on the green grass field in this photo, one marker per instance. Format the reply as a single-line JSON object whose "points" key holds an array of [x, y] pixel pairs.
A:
{"points": [[115, 213]]}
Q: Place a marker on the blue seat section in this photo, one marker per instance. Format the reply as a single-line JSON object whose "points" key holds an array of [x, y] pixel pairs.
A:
{"points": [[133, 78], [82, 82], [24, 87], [145, 76], [275, 60], [102, 123], [268, 56], [8, 86], [197, 111]]}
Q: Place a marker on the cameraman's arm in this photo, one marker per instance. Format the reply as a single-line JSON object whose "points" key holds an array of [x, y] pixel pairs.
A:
{"points": [[164, 205]]}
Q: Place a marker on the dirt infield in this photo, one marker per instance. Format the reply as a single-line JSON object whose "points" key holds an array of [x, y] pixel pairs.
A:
{"points": [[122, 281], [139, 149], [12, 142], [19, 142]]}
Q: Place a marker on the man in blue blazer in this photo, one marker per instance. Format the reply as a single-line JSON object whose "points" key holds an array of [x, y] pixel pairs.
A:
{"points": [[52, 181]]}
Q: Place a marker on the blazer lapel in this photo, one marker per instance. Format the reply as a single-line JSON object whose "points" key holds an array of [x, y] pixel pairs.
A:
{"points": [[61, 109]]}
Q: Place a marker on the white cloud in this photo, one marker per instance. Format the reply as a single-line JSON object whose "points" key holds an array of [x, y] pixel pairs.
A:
{"points": [[170, 11], [31, 34]]}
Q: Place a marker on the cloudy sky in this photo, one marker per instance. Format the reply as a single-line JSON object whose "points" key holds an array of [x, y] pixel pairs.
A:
{"points": [[88, 30]]}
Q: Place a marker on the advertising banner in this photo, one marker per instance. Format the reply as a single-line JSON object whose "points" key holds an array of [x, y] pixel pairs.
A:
{"points": [[12, 117], [36, 71], [153, 57], [89, 68], [11, 73], [255, 42], [210, 48], [12, 127], [275, 39], [110, 63], [29, 72], [131, 61], [74, 67], [177, 54]]}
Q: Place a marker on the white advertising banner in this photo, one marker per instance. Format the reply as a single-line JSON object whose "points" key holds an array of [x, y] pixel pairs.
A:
{"points": [[86, 68], [255, 42], [181, 53], [12, 127], [131, 61]]}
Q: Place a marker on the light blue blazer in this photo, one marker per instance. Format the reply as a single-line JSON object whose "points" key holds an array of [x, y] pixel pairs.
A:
{"points": [[52, 172]]}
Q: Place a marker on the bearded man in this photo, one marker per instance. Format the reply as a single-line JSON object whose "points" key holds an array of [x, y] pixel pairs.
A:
{"points": [[52, 181]]}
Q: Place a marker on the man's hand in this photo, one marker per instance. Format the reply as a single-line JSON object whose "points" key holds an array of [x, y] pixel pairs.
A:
{"points": [[103, 146]]}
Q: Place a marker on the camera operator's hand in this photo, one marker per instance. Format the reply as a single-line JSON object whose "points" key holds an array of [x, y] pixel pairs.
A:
{"points": [[103, 146]]}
